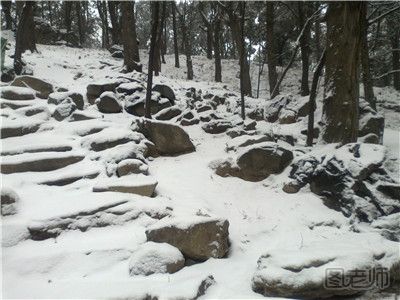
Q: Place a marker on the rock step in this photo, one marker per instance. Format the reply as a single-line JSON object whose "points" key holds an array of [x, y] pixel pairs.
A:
{"points": [[70, 179], [36, 150], [132, 184], [12, 130], [46, 161]]}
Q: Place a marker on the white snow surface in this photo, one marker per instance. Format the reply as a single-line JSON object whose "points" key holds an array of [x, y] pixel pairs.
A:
{"points": [[95, 263]]}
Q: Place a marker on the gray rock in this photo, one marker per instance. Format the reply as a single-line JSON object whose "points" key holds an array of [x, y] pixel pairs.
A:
{"points": [[168, 113], [16, 93], [64, 109], [131, 184], [217, 126], [9, 201], [151, 258], [42, 87], [108, 103], [169, 139], [57, 97], [199, 239], [165, 91], [132, 166]]}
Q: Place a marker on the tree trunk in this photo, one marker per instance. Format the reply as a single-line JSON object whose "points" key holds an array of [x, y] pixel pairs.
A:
{"points": [[78, 9], [25, 39], [304, 47], [317, 38], [313, 96], [188, 48], [217, 45], [67, 17], [365, 63], [164, 40], [102, 10], [155, 8], [242, 58], [50, 9], [394, 37], [115, 30], [131, 51], [209, 33], [343, 39], [157, 57], [234, 24], [271, 54], [176, 48], [6, 8]]}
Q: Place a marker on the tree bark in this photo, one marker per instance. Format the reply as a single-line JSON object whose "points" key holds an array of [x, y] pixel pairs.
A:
{"points": [[304, 47], [157, 57], [187, 43], [234, 24], [271, 53], [317, 38], [313, 96], [243, 57], [81, 30], [6, 8], [365, 63], [175, 31], [115, 30], [102, 9], [155, 8], [217, 45], [25, 39], [394, 37], [131, 51], [67, 16], [341, 90]]}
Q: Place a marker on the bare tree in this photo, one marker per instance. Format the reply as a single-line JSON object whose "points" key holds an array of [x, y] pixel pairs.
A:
{"points": [[155, 9], [129, 40], [102, 10], [175, 32], [271, 54], [343, 41], [208, 29], [114, 17], [25, 39], [158, 52], [303, 11], [217, 44], [186, 40], [242, 9]]}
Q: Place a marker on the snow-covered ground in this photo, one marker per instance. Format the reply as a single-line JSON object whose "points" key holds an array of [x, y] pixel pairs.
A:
{"points": [[95, 263]]}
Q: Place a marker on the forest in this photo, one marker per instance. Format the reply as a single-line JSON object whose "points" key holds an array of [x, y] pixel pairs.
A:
{"points": [[200, 149]]}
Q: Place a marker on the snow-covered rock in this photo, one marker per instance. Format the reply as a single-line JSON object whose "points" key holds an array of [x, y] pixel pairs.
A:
{"points": [[64, 109], [58, 97], [152, 258], [217, 126], [43, 89], [16, 93], [165, 92], [169, 139], [108, 103], [198, 238], [132, 184], [168, 113], [131, 166], [9, 202], [256, 162]]}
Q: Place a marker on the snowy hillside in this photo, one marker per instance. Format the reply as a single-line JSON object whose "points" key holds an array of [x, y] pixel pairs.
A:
{"points": [[93, 184]]}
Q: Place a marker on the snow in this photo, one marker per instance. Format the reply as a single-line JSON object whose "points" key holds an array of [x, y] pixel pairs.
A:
{"points": [[94, 263], [152, 258]]}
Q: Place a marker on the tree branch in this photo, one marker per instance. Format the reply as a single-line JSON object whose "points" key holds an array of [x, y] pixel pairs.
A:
{"points": [[383, 15]]}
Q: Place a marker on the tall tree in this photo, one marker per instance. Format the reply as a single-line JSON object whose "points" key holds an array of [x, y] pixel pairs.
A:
{"points": [[6, 8], [187, 40], [155, 9], [208, 29], [217, 43], [114, 17], [271, 53], [343, 40], [242, 10], [394, 37], [365, 63], [129, 40], [81, 21], [102, 10], [158, 50], [303, 12], [25, 39], [231, 9], [67, 15], [175, 32]]}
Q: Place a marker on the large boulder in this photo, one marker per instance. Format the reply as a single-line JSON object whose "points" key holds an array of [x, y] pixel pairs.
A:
{"points": [[198, 238], [246, 140], [130, 88], [9, 201], [326, 269], [108, 103], [16, 93], [345, 177], [169, 139], [255, 163], [165, 92], [217, 126], [152, 258], [43, 89], [286, 109]]}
